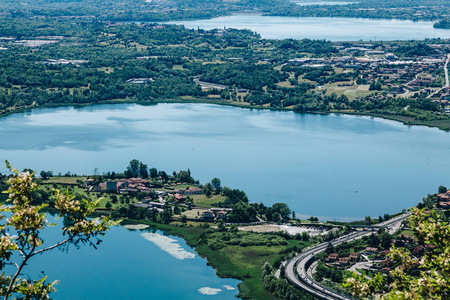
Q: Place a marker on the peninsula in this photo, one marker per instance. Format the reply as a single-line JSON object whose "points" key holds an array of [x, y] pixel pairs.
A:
{"points": [[240, 238]]}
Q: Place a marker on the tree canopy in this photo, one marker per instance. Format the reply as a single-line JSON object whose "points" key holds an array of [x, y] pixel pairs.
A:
{"points": [[21, 233], [424, 278]]}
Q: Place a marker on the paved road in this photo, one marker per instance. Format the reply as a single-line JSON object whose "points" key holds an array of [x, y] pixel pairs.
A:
{"points": [[297, 270], [361, 265]]}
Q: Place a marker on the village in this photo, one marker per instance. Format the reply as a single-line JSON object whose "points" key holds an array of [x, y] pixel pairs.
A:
{"points": [[158, 198], [406, 76], [191, 203]]}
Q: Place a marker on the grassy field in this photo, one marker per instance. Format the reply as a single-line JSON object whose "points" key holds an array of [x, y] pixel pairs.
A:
{"points": [[64, 180], [194, 213], [107, 70], [244, 263], [180, 186], [203, 201], [178, 67]]}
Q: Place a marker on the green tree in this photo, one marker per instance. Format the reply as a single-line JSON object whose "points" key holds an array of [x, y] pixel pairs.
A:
{"points": [[282, 209], [26, 222], [143, 170], [183, 176], [43, 175], [164, 176], [208, 186], [216, 184], [442, 189], [330, 249], [153, 173], [385, 240], [305, 236], [132, 169], [221, 225]]}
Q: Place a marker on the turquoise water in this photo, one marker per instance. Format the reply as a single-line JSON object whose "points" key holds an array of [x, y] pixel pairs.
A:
{"points": [[332, 166], [333, 29], [127, 266]]}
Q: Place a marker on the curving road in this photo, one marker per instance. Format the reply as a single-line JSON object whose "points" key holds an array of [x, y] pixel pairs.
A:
{"points": [[297, 270]]}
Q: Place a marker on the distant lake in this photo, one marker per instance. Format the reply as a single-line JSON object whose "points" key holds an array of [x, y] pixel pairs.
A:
{"points": [[332, 166], [333, 29], [126, 265], [305, 2]]}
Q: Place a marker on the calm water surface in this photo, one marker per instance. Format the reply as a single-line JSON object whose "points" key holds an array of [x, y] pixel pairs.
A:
{"points": [[323, 165], [127, 266], [333, 29]]}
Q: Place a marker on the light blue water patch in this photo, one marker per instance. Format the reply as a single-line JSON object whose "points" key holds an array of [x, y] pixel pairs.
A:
{"points": [[128, 266], [333, 29]]}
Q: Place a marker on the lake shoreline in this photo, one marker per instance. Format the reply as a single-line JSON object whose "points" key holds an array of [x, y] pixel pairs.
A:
{"points": [[408, 121]]}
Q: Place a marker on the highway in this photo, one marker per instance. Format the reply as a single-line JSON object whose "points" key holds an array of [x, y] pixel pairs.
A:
{"points": [[297, 269]]}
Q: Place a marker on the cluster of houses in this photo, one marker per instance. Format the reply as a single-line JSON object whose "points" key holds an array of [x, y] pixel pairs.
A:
{"points": [[62, 61], [149, 203], [179, 195], [443, 200], [140, 80], [343, 262], [122, 186], [413, 74], [381, 261], [214, 214]]}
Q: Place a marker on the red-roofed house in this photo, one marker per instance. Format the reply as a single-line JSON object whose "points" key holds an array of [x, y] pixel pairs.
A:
{"points": [[179, 197], [332, 257], [344, 261], [194, 191], [386, 263], [354, 257]]}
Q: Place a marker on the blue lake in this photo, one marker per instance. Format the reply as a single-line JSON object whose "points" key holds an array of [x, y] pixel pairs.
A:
{"points": [[332, 166], [333, 29], [128, 266]]}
